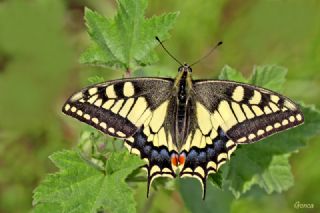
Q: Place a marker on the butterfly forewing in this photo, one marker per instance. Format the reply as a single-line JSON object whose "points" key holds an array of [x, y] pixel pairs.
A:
{"points": [[247, 113], [120, 107]]}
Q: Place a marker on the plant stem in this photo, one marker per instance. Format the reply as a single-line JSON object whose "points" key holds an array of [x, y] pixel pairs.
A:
{"points": [[127, 74]]}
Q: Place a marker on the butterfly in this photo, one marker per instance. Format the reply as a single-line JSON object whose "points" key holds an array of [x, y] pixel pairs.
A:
{"points": [[181, 124]]}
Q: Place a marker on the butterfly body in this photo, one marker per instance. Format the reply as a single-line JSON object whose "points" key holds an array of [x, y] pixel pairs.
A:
{"points": [[182, 95], [192, 126]]}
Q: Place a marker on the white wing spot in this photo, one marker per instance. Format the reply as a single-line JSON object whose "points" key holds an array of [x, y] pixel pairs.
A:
{"points": [[285, 122], [277, 125], [98, 103], [103, 125], [73, 109], [290, 105], [67, 107], [238, 93], [95, 120], [79, 112], [203, 117], [241, 140], [137, 110], [251, 136], [257, 110], [267, 110], [274, 98], [115, 109], [273, 107], [158, 116], [93, 99], [93, 90], [128, 89], [227, 114], [76, 96], [110, 92], [299, 117], [291, 118], [87, 116], [108, 104], [121, 134], [238, 112], [256, 98], [269, 128], [260, 132], [247, 111]]}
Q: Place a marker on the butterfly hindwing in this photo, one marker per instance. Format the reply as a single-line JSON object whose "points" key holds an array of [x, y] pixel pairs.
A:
{"points": [[154, 142], [206, 148], [136, 110]]}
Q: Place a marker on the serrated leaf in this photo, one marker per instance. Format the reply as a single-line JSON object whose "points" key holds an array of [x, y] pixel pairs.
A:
{"points": [[278, 176], [265, 163], [269, 76], [126, 40], [228, 73], [79, 187], [96, 79]]}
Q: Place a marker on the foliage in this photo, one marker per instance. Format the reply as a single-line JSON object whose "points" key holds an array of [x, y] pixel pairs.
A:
{"points": [[80, 187], [40, 42], [126, 40]]}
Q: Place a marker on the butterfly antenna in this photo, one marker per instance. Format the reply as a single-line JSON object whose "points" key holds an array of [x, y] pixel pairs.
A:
{"points": [[174, 58], [206, 55]]}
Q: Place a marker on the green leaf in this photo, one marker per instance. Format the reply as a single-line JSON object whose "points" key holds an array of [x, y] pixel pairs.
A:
{"points": [[127, 40], [216, 179], [228, 73], [79, 187], [265, 163], [96, 79], [269, 76], [217, 200]]}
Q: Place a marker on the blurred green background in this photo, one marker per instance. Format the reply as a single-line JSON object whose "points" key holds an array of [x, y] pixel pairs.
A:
{"points": [[41, 41]]}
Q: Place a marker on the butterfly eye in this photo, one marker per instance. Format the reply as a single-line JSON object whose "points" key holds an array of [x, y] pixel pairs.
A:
{"points": [[180, 69]]}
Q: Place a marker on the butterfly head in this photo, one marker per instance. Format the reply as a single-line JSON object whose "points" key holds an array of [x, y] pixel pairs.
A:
{"points": [[185, 68]]}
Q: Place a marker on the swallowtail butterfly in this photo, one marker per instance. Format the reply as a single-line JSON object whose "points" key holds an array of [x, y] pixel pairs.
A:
{"points": [[185, 125]]}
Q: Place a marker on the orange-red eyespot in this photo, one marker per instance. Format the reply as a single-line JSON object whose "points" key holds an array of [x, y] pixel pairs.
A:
{"points": [[182, 159], [174, 159]]}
